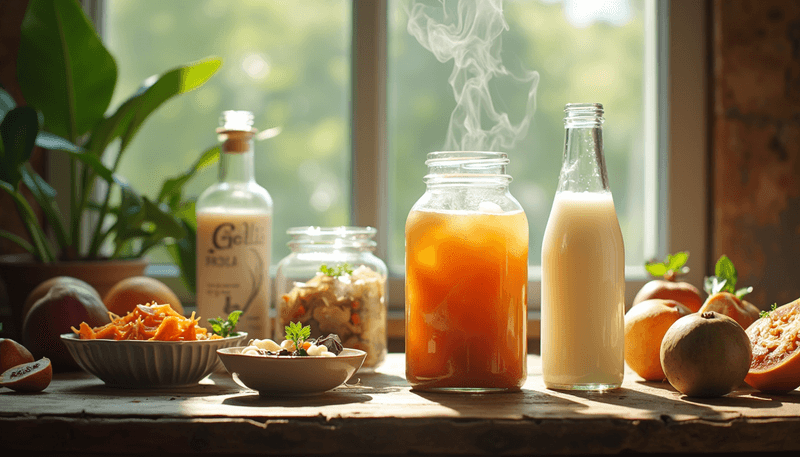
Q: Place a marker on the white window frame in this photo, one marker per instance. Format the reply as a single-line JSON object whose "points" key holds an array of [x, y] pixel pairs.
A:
{"points": [[678, 125]]}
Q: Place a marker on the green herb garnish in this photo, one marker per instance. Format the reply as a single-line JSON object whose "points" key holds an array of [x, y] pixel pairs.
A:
{"points": [[298, 334], [338, 270], [724, 279], [671, 267], [224, 328], [766, 313]]}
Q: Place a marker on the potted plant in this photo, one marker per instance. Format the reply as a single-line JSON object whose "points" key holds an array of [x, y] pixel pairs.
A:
{"points": [[67, 78]]}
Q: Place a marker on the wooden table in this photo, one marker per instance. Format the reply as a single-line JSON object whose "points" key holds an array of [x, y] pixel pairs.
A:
{"points": [[78, 415]]}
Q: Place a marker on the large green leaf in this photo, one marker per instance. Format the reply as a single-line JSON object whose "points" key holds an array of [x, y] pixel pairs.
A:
{"points": [[53, 142], [130, 116], [63, 68], [45, 196], [18, 130], [172, 189]]}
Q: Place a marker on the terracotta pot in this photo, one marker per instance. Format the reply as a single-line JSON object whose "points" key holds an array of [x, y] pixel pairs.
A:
{"points": [[20, 275]]}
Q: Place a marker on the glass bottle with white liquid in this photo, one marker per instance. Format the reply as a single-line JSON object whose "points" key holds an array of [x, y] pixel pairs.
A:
{"points": [[583, 266], [234, 234]]}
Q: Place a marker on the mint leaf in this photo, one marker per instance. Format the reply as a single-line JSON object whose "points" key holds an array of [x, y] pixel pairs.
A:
{"points": [[725, 279], [233, 318], [224, 328], [725, 270], [676, 262], [656, 269], [671, 267]]}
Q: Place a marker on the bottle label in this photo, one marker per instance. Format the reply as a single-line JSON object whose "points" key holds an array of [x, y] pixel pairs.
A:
{"points": [[233, 256]]}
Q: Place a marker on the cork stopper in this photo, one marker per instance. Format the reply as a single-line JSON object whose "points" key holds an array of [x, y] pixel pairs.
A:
{"points": [[235, 141], [236, 131]]}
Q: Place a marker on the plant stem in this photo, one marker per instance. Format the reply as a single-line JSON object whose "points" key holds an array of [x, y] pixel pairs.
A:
{"points": [[75, 211], [21, 242], [42, 249]]}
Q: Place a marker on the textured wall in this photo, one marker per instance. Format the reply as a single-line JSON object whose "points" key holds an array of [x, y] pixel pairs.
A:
{"points": [[755, 158]]}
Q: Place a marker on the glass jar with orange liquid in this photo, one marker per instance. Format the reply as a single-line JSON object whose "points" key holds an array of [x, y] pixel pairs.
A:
{"points": [[466, 278]]}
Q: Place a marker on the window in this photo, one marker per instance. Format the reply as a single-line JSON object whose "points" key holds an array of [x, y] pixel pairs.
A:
{"points": [[302, 65]]}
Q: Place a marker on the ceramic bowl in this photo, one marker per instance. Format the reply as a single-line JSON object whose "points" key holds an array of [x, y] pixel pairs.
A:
{"points": [[290, 376], [148, 364]]}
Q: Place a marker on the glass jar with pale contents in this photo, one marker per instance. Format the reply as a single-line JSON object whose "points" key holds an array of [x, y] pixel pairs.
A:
{"points": [[334, 283], [466, 278]]}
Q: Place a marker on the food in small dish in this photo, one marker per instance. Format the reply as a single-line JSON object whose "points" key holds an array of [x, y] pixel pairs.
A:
{"points": [[148, 322], [296, 344], [291, 376]]}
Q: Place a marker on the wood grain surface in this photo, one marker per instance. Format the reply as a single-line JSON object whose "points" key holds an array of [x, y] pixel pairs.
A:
{"points": [[377, 414]]}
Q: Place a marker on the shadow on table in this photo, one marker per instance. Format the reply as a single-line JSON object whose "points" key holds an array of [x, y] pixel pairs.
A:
{"points": [[510, 404], [672, 402], [330, 398]]}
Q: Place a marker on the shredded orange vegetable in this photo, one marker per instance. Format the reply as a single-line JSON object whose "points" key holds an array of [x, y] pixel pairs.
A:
{"points": [[148, 322]]}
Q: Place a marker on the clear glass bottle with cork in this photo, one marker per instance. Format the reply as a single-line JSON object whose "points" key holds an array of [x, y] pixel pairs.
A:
{"points": [[234, 234]]}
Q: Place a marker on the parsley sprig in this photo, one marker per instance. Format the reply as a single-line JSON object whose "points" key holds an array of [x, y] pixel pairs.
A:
{"points": [[338, 270], [298, 334], [766, 313], [225, 328]]}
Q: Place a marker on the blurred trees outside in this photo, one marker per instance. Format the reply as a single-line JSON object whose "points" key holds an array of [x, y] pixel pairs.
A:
{"points": [[289, 63]]}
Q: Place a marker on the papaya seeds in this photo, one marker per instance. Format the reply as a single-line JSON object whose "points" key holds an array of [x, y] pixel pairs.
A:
{"points": [[13, 354], [28, 377]]}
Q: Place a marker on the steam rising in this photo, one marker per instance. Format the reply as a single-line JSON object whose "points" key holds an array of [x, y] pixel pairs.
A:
{"points": [[470, 36]]}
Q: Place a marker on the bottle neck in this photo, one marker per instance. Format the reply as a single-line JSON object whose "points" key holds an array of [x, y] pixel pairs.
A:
{"points": [[236, 163], [584, 166]]}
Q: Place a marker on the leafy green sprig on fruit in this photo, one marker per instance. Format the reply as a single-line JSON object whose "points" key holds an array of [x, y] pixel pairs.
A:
{"points": [[766, 313], [225, 328], [338, 270], [725, 279], [670, 268], [298, 334]]}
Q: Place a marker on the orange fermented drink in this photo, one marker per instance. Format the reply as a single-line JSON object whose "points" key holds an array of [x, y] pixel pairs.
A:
{"points": [[466, 300]]}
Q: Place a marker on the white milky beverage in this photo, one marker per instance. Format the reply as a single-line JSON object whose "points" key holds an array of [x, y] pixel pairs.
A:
{"points": [[583, 293]]}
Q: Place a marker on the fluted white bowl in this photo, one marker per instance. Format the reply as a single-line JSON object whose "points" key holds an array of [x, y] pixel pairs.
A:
{"points": [[148, 364], [289, 376]]}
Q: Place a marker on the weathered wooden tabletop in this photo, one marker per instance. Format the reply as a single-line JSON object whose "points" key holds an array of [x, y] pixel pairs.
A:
{"points": [[78, 415]]}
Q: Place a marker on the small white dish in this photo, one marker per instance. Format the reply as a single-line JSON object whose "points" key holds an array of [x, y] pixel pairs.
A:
{"points": [[290, 376], [140, 364]]}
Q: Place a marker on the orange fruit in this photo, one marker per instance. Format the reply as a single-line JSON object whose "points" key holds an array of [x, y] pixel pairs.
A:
{"points": [[123, 297], [645, 326], [13, 354], [743, 312], [775, 340], [681, 292]]}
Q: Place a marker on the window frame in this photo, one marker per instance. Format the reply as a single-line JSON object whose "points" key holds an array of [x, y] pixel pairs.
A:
{"points": [[681, 53]]}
